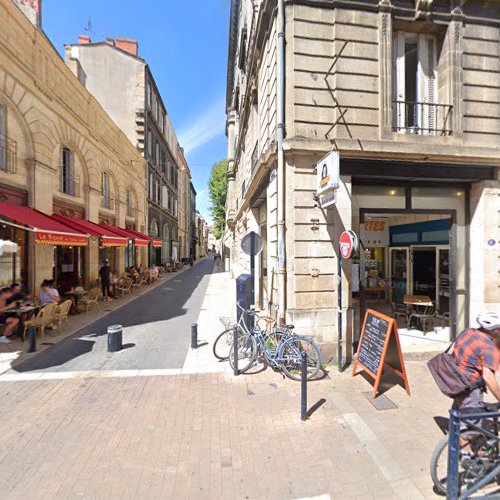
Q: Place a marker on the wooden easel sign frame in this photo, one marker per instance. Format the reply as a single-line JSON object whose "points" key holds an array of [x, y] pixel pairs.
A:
{"points": [[372, 353]]}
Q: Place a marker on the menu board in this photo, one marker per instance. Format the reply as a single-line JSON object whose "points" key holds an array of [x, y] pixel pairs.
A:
{"points": [[372, 343], [379, 348]]}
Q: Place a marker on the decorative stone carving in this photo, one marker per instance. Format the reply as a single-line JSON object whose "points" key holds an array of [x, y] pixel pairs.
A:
{"points": [[423, 8]]}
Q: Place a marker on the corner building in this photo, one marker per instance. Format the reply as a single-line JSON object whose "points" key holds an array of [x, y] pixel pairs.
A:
{"points": [[408, 94], [61, 154]]}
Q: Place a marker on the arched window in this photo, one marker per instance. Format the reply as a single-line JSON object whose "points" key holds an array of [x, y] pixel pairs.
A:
{"points": [[153, 228]]}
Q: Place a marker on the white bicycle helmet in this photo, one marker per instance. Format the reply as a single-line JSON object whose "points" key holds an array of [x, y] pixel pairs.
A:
{"points": [[489, 321]]}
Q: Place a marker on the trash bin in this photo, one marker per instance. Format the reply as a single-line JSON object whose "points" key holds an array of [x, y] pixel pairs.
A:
{"points": [[115, 338]]}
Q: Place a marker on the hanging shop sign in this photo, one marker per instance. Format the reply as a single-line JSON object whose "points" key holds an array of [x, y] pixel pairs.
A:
{"points": [[328, 173], [348, 244], [379, 348]]}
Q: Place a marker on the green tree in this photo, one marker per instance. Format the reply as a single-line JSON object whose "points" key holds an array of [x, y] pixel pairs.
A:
{"points": [[217, 185]]}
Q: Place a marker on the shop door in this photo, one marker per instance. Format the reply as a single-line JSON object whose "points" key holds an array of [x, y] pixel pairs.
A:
{"points": [[424, 271], [400, 273], [443, 280]]}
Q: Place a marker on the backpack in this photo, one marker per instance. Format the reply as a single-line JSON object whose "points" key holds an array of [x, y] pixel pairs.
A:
{"points": [[448, 377]]}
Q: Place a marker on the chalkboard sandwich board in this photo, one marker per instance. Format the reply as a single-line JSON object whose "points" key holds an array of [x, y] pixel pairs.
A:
{"points": [[379, 347]]}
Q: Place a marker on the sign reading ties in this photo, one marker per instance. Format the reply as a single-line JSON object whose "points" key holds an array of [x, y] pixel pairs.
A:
{"points": [[379, 347], [375, 233]]}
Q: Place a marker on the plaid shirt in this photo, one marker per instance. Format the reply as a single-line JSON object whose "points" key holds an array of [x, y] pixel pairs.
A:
{"points": [[473, 351]]}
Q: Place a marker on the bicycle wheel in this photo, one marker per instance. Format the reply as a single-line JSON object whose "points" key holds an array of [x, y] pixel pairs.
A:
{"points": [[290, 359], [471, 468], [247, 353], [222, 344]]}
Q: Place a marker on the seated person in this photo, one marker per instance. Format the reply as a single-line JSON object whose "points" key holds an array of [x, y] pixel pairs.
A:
{"points": [[9, 322], [48, 294], [17, 295]]}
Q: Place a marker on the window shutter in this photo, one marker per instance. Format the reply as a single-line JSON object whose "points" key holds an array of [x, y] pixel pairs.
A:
{"points": [[398, 82], [427, 83]]}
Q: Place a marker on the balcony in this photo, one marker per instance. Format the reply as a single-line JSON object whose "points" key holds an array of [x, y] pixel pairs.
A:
{"points": [[70, 185], [107, 201], [422, 118], [8, 155]]}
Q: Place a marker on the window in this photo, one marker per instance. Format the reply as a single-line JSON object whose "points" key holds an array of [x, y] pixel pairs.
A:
{"points": [[67, 185], [164, 197], [157, 153], [105, 191], [175, 207], [148, 95], [151, 186], [153, 228], [150, 144], [157, 110], [415, 89], [158, 192], [3, 134], [128, 202]]}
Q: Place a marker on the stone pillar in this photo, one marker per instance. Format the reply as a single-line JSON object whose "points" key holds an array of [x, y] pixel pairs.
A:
{"points": [[385, 63], [455, 41], [484, 248]]}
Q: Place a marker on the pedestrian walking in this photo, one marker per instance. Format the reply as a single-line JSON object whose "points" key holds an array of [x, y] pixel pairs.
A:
{"points": [[191, 261], [105, 275]]}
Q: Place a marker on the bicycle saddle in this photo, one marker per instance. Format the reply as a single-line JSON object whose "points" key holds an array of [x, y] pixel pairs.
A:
{"points": [[288, 327], [492, 406]]}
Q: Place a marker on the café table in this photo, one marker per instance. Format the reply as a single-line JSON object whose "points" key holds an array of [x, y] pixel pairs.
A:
{"points": [[24, 312], [75, 296], [422, 307], [114, 283]]}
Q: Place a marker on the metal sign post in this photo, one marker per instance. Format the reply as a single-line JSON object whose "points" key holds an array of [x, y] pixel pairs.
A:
{"points": [[252, 245], [348, 245]]}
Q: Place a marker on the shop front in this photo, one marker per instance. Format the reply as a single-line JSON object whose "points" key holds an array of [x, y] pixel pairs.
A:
{"points": [[135, 242]]}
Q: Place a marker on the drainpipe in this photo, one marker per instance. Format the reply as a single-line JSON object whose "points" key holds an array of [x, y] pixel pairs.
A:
{"points": [[281, 164]]}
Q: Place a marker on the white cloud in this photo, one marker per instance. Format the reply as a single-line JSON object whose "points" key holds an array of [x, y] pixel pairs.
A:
{"points": [[206, 127]]}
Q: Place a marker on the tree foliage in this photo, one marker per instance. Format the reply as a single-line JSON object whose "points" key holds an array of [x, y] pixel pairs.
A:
{"points": [[217, 185]]}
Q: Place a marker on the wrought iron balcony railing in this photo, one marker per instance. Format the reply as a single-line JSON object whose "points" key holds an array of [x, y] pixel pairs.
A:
{"points": [[422, 118], [69, 184], [8, 155]]}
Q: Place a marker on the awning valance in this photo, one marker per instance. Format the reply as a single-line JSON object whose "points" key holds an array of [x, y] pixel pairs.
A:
{"points": [[154, 241], [48, 231], [139, 241], [108, 238]]}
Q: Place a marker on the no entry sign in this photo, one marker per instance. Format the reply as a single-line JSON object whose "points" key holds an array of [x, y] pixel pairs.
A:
{"points": [[348, 244]]}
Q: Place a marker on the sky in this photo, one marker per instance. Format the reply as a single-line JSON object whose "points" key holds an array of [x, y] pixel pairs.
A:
{"points": [[185, 45]]}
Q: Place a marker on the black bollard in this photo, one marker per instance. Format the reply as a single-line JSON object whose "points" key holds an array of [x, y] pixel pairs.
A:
{"points": [[303, 387], [115, 338], [194, 336], [236, 372], [32, 339]]}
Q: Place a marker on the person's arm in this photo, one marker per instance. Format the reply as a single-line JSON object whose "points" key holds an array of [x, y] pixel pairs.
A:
{"points": [[491, 382], [54, 296]]}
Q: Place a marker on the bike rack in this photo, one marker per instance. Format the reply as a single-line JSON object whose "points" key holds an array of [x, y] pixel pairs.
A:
{"points": [[456, 416]]}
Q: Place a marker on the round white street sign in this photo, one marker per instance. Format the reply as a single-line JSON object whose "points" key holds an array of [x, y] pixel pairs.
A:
{"points": [[246, 243]]}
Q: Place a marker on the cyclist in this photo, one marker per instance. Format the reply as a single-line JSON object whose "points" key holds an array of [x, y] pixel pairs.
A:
{"points": [[477, 354]]}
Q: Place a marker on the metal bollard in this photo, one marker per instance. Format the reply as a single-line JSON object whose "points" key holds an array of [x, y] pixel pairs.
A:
{"points": [[32, 339], [453, 452], [115, 338], [194, 336], [303, 387], [236, 372]]}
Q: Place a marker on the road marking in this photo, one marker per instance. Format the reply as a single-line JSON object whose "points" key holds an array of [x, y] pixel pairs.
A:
{"points": [[25, 377]]}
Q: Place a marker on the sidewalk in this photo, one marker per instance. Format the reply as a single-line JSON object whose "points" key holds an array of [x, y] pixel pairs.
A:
{"points": [[202, 433]]}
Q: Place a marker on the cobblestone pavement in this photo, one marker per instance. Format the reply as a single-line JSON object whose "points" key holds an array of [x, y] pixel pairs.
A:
{"points": [[202, 433]]}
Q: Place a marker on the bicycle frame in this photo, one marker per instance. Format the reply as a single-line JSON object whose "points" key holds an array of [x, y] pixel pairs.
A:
{"points": [[452, 489]]}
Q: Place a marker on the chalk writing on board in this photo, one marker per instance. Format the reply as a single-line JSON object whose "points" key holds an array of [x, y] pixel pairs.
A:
{"points": [[372, 344]]}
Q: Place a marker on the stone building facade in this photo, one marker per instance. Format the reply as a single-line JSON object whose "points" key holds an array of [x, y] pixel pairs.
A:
{"points": [[408, 94], [58, 148], [184, 206], [128, 92]]}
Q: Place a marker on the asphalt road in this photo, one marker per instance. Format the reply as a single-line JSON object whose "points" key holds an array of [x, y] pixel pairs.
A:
{"points": [[157, 331]]}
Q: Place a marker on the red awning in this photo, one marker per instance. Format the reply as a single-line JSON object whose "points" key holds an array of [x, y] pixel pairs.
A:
{"points": [[108, 239], [139, 241], [48, 231], [156, 243]]}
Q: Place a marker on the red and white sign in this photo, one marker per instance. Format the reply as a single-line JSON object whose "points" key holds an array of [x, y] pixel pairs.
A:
{"points": [[348, 244]]}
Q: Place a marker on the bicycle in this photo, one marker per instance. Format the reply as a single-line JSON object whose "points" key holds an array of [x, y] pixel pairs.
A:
{"points": [[280, 348], [479, 454]]}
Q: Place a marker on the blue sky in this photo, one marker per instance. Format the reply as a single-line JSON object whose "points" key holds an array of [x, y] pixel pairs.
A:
{"points": [[185, 44]]}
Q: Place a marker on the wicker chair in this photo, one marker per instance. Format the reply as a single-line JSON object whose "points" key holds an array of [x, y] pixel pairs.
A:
{"points": [[91, 300], [125, 286], [44, 319], [62, 313]]}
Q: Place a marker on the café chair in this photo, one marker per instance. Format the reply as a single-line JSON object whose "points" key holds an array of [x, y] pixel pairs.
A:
{"points": [[91, 299], [124, 286], [422, 315], [400, 311], [44, 319], [62, 313]]}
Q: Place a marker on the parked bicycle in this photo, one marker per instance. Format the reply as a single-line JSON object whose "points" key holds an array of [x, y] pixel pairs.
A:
{"points": [[479, 456], [279, 348]]}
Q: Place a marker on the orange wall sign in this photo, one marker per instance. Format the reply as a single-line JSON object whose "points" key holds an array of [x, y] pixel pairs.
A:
{"points": [[379, 347]]}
